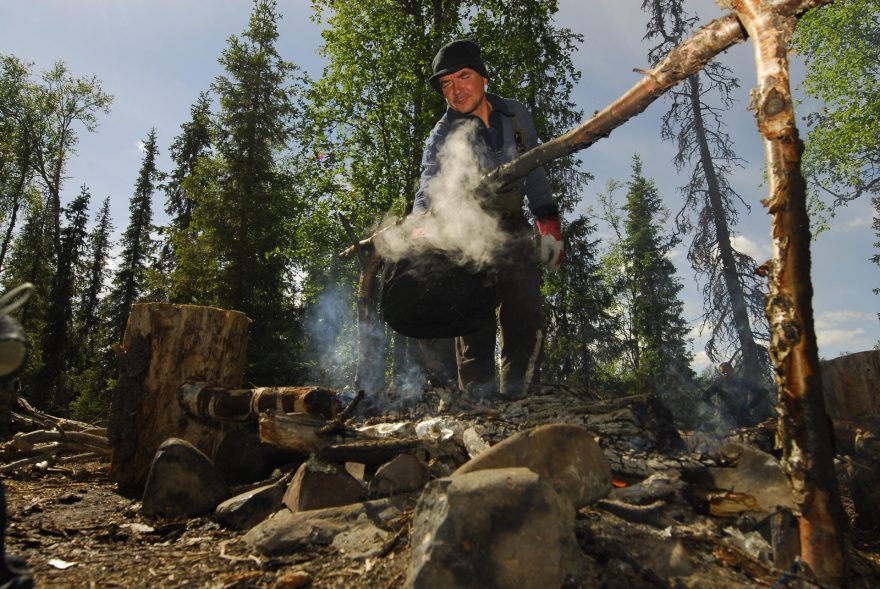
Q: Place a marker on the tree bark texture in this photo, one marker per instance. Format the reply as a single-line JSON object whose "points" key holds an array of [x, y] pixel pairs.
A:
{"points": [[804, 428], [165, 346]]}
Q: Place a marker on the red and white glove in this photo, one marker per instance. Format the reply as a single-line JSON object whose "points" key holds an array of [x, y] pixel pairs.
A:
{"points": [[550, 248]]}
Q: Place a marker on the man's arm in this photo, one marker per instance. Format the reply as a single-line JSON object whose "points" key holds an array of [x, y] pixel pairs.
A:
{"points": [[429, 169]]}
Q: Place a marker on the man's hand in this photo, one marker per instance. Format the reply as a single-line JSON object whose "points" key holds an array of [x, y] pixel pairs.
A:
{"points": [[550, 248]]}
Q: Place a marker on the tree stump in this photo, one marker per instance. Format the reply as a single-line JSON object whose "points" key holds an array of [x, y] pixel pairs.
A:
{"points": [[850, 384], [163, 347]]}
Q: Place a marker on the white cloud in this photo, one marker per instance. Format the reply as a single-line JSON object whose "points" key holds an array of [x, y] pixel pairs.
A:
{"points": [[835, 320], [141, 146], [850, 339], [759, 252], [859, 223], [701, 362]]}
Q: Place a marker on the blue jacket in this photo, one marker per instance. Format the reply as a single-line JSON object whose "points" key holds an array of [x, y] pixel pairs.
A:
{"points": [[535, 185]]}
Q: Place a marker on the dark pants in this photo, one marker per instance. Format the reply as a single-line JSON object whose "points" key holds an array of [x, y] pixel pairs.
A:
{"points": [[518, 312]]}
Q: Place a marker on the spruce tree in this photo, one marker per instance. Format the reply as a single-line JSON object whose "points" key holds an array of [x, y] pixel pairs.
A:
{"points": [[170, 278], [581, 328], [243, 222], [658, 344], [130, 275], [94, 363]]}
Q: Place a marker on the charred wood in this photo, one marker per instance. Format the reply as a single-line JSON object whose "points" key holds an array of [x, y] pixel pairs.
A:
{"points": [[203, 400]]}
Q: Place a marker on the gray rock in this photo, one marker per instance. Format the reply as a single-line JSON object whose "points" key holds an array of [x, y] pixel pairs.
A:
{"points": [[182, 482], [244, 511], [402, 474], [567, 456], [757, 474], [242, 458], [492, 528], [320, 485], [362, 540], [286, 532]]}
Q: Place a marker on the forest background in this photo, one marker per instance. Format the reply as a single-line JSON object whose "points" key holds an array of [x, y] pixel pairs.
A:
{"points": [[132, 171]]}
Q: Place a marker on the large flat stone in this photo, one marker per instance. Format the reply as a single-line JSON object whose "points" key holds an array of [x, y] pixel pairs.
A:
{"points": [[286, 532], [567, 456]]}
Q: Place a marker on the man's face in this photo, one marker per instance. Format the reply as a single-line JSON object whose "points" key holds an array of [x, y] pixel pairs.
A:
{"points": [[463, 90]]}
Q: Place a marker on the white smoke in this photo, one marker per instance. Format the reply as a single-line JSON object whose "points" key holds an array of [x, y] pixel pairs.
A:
{"points": [[457, 223]]}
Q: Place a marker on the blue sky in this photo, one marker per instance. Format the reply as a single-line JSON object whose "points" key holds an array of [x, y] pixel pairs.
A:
{"points": [[155, 56]]}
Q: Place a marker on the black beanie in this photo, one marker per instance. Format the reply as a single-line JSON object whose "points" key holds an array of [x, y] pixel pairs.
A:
{"points": [[455, 56]]}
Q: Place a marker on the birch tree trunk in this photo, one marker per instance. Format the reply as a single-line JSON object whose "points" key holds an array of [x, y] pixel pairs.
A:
{"points": [[804, 427]]}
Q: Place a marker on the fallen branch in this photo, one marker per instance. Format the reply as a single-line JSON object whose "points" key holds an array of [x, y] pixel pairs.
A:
{"points": [[42, 457]]}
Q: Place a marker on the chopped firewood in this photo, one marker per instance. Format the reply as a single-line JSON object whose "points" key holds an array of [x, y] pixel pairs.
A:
{"points": [[215, 402]]}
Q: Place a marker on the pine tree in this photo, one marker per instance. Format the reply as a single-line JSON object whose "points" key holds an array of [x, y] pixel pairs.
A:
{"points": [[733, 295], [50, 386], [658, 338], [129, 278]]}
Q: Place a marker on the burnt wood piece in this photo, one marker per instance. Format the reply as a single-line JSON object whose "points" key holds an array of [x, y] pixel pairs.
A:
{"points": [[643, 420], [215, 402], [165, 346], [301, 432], [372, 452]]}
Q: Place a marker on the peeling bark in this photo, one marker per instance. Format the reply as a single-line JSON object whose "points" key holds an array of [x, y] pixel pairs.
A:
{"points": [[804, 428]]}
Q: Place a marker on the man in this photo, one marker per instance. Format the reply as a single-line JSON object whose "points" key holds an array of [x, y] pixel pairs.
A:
{"points": [[500, 130], [741, 402]]}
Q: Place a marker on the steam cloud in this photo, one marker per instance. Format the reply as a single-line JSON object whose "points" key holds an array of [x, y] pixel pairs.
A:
{"points": [[457, 223]]}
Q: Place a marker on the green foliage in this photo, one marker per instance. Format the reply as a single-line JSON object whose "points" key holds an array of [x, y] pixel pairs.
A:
{"points": [[839, 44], [581, 329], [653, 331], [243, 204]]}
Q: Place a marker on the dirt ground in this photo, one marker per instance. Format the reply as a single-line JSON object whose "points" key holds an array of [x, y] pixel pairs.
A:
{"points": [[75, 530]]}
